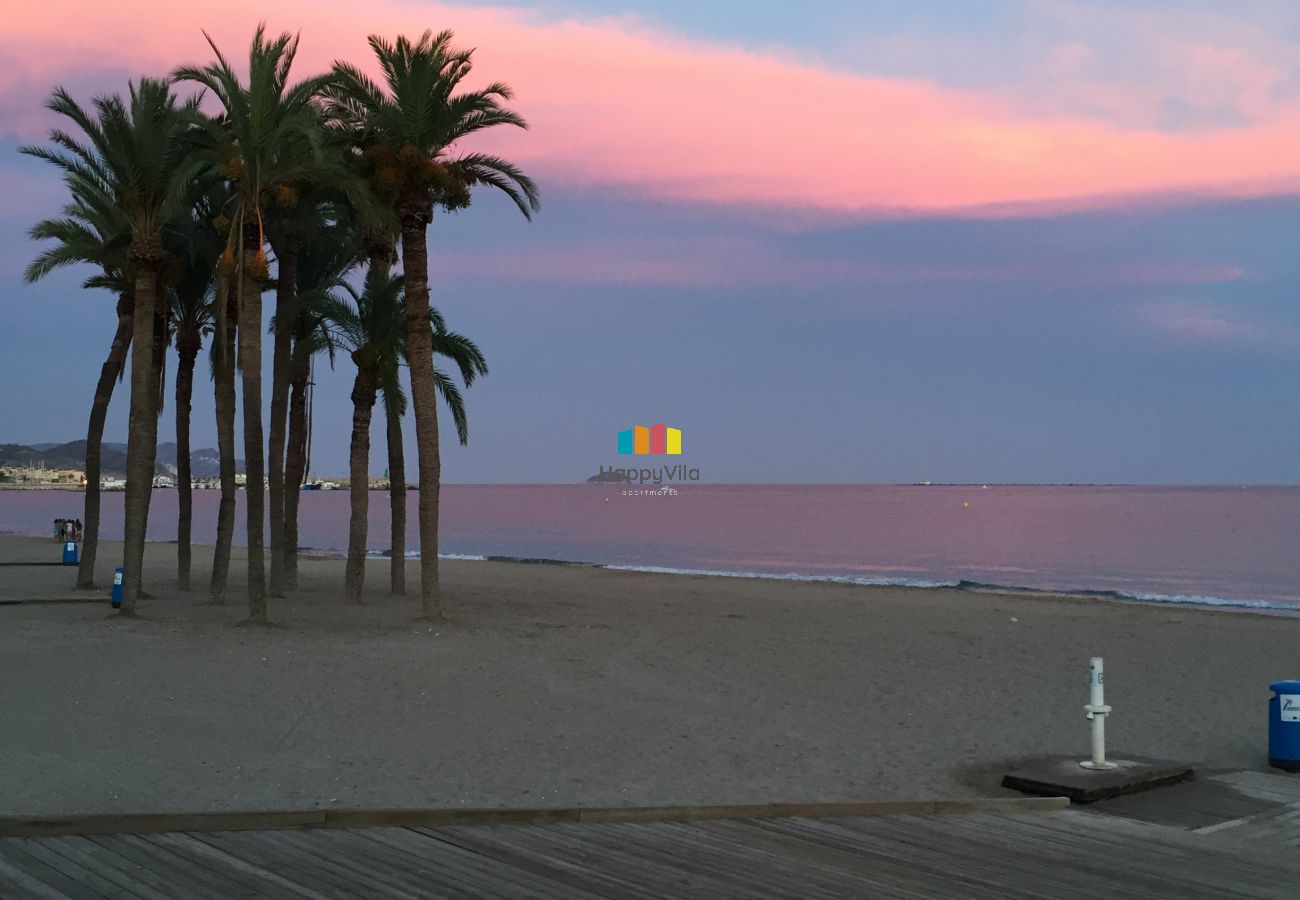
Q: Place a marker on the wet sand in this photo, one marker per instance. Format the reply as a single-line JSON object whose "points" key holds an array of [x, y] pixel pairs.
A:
{"points": [[557, 685]]}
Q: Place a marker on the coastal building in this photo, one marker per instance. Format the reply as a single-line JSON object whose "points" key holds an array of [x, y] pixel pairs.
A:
{"points": [[39, 476]]}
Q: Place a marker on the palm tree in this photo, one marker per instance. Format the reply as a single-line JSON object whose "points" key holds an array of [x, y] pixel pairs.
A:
{"points": [[406, 135], [322, 264], [372, 328], [133, 155], [322, 213], [198, 247], [394, 409], [269, 145], [92, 231], [222, 357], [381, 250]]}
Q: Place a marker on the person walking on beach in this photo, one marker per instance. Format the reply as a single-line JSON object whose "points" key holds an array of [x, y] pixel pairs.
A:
{"points": [[76, 529]]}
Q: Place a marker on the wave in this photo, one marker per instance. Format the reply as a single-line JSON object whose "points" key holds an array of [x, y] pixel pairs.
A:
{"points": [[958, 584], [981, 587], [415, 554], [878, 581]]}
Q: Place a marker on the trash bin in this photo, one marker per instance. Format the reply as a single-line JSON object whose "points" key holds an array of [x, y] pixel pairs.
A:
{"points": [[1284, 726], [69, 553], [117, 588]]}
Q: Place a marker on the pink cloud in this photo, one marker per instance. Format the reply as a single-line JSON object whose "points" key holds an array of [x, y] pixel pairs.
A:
{"points": [[1202, 323], [617, 106]]}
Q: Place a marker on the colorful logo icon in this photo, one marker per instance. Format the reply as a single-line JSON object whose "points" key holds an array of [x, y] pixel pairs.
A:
{"points": [[657, 439]]}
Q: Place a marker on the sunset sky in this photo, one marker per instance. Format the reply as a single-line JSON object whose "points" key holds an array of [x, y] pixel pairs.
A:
{"points": [[1031, 240]]}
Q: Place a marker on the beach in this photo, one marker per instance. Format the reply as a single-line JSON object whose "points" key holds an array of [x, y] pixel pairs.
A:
{"points": [[568, 685]]}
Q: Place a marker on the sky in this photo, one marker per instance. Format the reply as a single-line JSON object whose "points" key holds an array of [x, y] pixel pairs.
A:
{"points": [[1005, 241]]}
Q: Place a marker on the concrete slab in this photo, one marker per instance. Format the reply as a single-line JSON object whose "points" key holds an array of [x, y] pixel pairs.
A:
{"points": [[1064, 777]]}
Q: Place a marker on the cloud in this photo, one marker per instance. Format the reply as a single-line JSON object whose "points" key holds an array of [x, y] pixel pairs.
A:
{"points": [[1202, 323], [736, 263], [617, 106], [1133, 65]]}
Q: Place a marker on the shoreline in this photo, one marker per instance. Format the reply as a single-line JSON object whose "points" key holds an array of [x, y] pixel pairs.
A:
{"points": [[1220, 605]]}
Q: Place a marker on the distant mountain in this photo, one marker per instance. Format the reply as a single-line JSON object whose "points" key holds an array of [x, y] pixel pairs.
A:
{"points": [[204, 463]]}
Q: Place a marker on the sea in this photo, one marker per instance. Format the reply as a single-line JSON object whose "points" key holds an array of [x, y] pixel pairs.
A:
{"points": [[1233, 547]]}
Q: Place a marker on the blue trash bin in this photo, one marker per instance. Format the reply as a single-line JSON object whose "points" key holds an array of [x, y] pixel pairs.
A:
{"points": [[69, 553], [1284, 726], [117, 588]]}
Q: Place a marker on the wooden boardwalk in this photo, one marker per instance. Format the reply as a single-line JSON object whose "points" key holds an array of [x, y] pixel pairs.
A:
{"points": [[1229, 836]]}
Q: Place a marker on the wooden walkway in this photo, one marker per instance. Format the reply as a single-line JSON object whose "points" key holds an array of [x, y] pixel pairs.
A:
{"points": [[1229, 836]]}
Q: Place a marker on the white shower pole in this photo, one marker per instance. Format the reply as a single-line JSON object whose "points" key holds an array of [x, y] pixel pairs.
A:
{"points": [[1097, 710]]}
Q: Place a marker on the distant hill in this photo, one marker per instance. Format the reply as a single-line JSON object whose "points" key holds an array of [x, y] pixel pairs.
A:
{"points": [[204, 463]]}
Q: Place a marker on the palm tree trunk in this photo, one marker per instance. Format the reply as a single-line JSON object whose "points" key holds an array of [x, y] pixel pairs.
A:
{"points": [[108, 376], [363, 404], [396, 503], [294, 469], [224, 395], [250, 366], [188, 344], [380, 250], [286, 288], [424, 402], [157, 377], [142, 431]]}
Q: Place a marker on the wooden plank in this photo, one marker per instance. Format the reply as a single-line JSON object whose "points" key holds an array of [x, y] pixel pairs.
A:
{"points": [[571, 844], [1195, 804], [761, 869], [270, 882], [35, 826], [519, 847], [18, 884], [183, 876], [1160, 862], [106, 881], [346, 852], [269, 848], [494, 877], [18, 855], [959, 865], [236, 848], [143, 880], [84, 875], [1264, 785], [434, 867], [628, 850], [908, 860], [820, 863], [184, 847], [1276, 830]]}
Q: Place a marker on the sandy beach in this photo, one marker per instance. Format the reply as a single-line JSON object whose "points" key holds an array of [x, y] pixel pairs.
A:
{"points": [[555, 685]]}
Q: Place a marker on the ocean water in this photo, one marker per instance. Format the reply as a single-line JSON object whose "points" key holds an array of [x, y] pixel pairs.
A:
{"points": [[1223, 546]]}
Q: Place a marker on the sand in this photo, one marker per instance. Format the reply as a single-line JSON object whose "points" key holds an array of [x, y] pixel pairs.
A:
{"points": [[568, 686]]}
